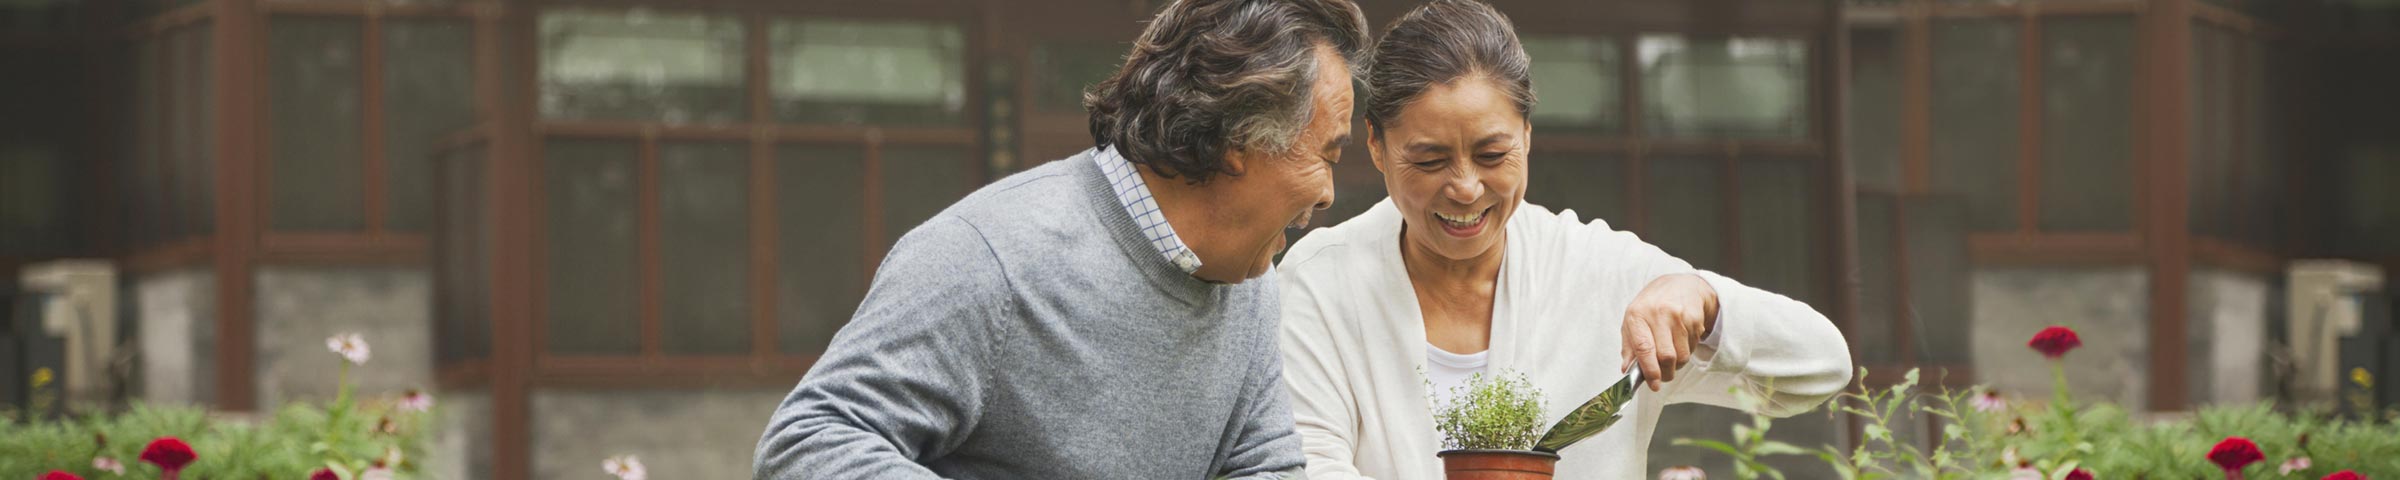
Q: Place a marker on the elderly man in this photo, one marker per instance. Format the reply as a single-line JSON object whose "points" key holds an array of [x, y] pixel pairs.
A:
{"points": [[1103, 316]]}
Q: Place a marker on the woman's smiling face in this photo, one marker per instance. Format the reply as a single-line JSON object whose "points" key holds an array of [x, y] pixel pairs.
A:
{"points": [[1454, 162]]}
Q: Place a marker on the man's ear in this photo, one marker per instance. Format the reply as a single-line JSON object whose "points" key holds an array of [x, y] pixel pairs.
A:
{"points": [[1237, 161]]}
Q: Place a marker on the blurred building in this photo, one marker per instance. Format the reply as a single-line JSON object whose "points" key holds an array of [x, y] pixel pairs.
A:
{"points": [[627, 226]]}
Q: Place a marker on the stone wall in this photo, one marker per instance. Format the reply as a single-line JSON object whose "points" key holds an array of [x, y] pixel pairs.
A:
{"points": [[2108, 306], [175, 318], [298, 307], [2228, 331], [677, 434], [461, 445]]}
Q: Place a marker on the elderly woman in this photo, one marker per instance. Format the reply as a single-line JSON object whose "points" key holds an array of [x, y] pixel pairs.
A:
{"points": [[1455, 275]]}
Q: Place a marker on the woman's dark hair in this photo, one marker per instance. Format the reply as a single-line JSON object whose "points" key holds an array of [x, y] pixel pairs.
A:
{"points": [[1438, 43], [1209, 75]]}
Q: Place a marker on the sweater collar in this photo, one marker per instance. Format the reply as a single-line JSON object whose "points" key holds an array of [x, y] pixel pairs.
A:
{"points": [[1133, 243]]}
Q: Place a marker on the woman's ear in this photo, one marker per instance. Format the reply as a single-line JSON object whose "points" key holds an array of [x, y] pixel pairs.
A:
{"points": [[1375, 148]]}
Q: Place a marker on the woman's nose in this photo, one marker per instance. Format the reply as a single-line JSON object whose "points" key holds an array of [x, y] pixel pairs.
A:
{"points": [[1465, 186]]}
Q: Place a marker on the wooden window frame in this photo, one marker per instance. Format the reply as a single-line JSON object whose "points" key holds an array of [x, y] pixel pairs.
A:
{"points": [[2158, 237], [764, 364], [377, 243]]}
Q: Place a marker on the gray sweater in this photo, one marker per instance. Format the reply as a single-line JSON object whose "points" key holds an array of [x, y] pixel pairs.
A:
{"points": [[1030, 331]]}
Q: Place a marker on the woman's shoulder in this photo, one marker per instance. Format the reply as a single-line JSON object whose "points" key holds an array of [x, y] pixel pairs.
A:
{"points": [[1343, 247]]}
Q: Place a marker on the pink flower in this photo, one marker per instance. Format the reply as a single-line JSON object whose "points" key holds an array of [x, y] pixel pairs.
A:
{"points": [[377, 473], [350, 346], [169, 454], [2293, 465], [1686, 472], [2234, 453], [110, 465], [2345, 475], [625, 467], [2055, 342], [59, 475], [416, 401], [1989, 402], [2025, 473]]}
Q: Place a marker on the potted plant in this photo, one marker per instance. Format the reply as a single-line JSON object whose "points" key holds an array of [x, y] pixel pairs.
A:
{"points": [[1493, 429]]}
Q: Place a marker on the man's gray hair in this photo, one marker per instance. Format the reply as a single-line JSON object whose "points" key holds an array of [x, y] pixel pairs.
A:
{"points": [[1211, 75]]}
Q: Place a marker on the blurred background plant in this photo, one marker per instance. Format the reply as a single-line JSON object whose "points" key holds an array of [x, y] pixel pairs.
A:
{"points": [[356, 438], [1982, 434]]}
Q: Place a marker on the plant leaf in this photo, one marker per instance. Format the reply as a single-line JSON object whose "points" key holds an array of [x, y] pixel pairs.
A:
{"points": [[1589, 419]]}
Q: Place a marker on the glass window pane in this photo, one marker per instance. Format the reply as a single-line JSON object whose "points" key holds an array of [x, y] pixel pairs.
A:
{"points": [[1873, 135], [593, 294], [1879, 281], [315, 172], [1062, 69], [641, 65], [2210, 164], [1975, 101], [1778, 227], [464, 250], [821, 264], [1936, 236], [919, 182], [1686, 203], [2261, 178], [195, 170], [428, 94], [1576, 80], [705, 214], [1592, 186], [869, 72], [1724, 87], [145, 179], [2087, 124]]}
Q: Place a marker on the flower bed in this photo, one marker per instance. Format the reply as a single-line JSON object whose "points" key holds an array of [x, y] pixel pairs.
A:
{"points": [[347, 439], [1984, 434]]}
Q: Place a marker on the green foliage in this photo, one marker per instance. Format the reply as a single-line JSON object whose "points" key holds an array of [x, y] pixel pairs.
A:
{"points": [[346, 435], [296, 440], [1491, 413], [2056, 437]]}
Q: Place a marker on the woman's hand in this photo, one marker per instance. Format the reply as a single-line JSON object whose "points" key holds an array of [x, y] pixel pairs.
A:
{"points": [[1665, 322]]}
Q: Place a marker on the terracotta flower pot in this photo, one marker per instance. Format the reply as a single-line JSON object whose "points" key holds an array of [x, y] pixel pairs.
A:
{"points": [[1497, 464]]}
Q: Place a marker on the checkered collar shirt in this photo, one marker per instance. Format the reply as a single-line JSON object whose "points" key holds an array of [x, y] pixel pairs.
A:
{"points": [[1134, 194]]}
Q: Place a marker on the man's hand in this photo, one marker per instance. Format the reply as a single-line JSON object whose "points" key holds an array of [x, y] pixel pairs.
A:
{"points": [[1665, 322]]}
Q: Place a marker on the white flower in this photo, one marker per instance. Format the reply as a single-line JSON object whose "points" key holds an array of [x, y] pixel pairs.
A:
{"points": [[2294, 465], [1686, 472], [625, 467], [1989, 402], [2010, 456], [377, 473], [109, 465], [391, 457], [416, 401], [350, 346]]}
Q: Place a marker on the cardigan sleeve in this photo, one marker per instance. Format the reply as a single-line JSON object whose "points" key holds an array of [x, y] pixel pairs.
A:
{"points": [[1324, 411], [1772, 348]]}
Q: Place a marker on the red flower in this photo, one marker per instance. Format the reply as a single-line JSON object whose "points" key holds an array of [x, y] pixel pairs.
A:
{"points": [[59, 475], [324, 474], [2345, 475], [169, 454], [2055, 341], [2079, 474], [2235, 453]]}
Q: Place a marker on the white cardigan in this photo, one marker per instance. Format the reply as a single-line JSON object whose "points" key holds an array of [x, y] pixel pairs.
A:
{"points": [[1353, 343]]}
